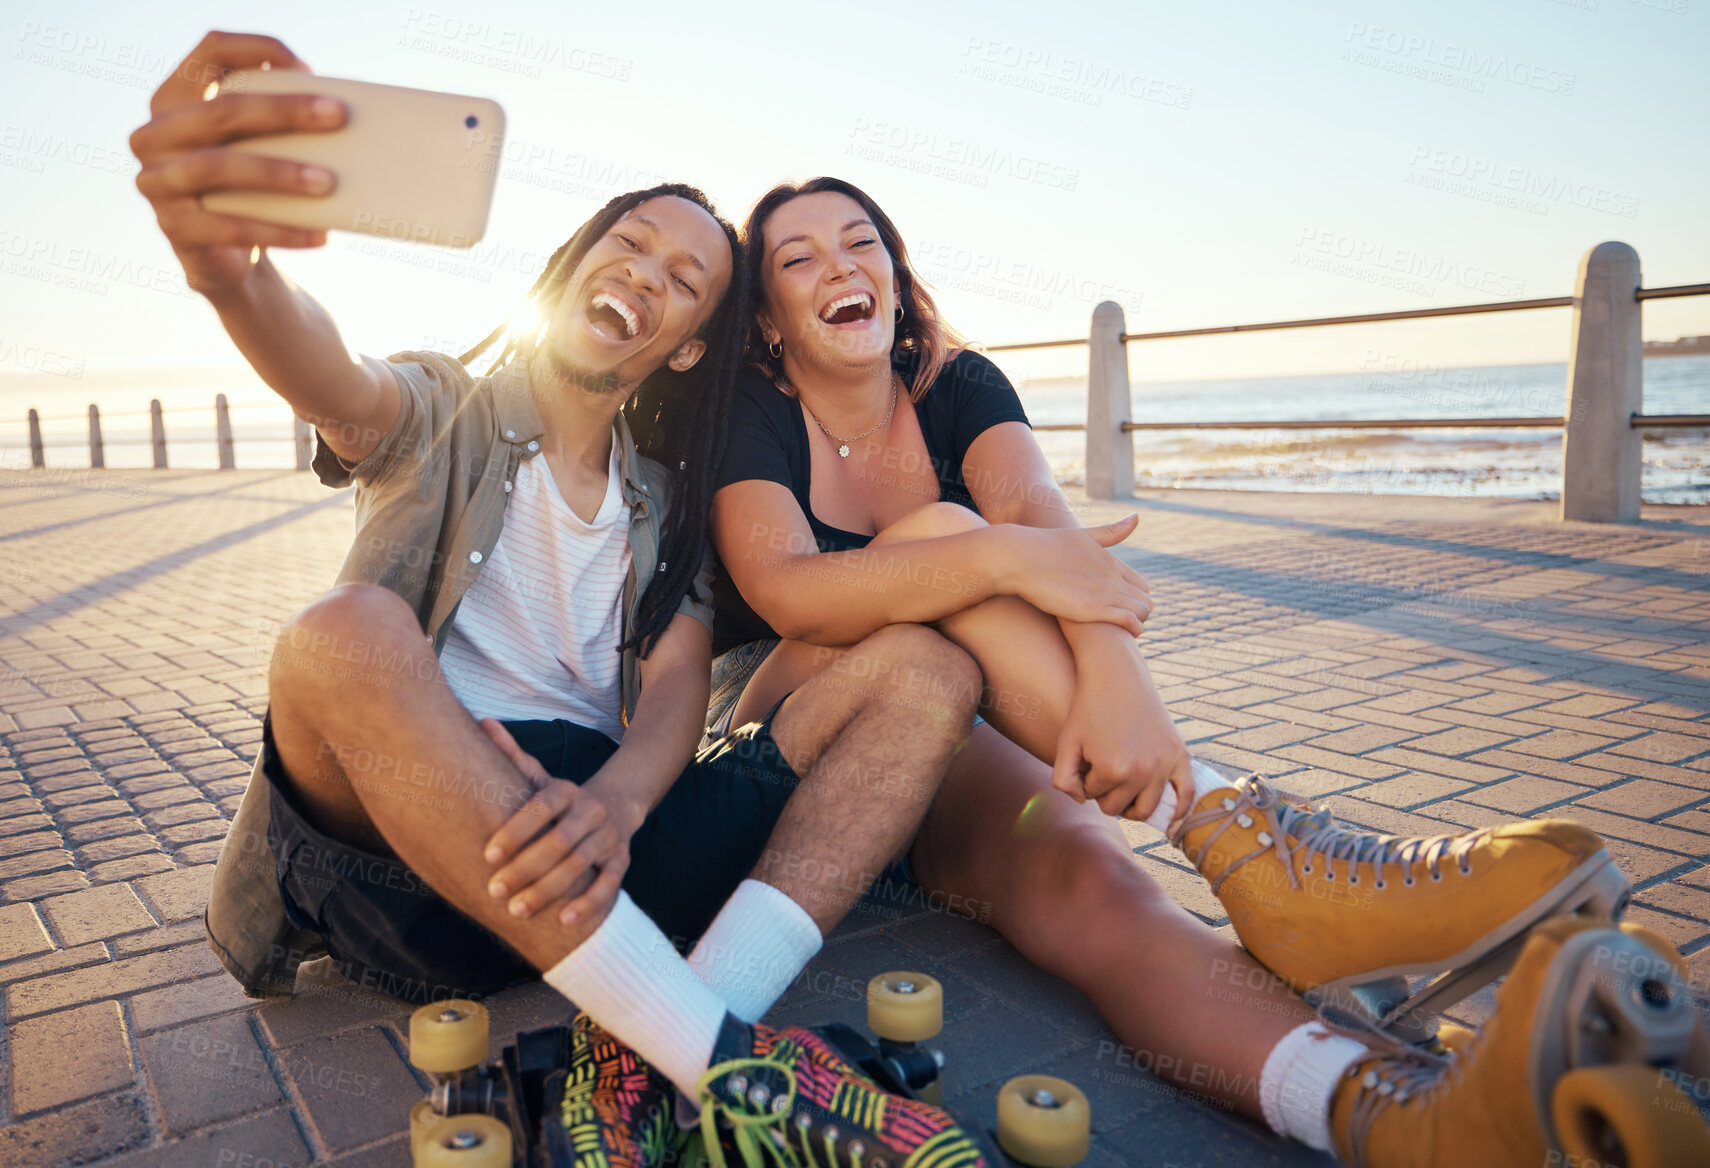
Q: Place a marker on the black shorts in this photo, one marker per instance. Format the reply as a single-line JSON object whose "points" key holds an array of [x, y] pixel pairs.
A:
{"points": [[389, 931]]}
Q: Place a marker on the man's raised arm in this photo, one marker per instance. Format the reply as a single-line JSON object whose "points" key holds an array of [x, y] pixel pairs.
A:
{"points": [[284, 333]]}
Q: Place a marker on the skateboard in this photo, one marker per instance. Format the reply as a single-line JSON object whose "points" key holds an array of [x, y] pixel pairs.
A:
{"points": [[480, 1115]]}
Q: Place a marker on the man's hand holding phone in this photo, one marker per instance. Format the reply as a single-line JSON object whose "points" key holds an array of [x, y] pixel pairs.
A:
{"points": [[184, 152]]}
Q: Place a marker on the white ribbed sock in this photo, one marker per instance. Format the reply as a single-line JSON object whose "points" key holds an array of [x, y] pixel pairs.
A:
{"points": [[754, 948], [1204, 779], [1300, 1078], [629, 979]]}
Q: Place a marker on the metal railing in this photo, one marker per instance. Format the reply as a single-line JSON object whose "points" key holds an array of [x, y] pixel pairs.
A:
{"points": [[1601, 427], [1601, 463]]}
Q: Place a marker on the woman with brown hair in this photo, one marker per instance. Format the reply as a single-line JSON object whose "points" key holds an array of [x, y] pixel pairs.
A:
{"points": [[880, 472]]}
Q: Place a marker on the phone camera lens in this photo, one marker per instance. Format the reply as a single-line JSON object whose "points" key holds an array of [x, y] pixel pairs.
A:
{"points": [[471, 121]]}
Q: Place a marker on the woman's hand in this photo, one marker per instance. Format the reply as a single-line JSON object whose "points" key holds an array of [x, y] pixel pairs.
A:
{"points": [[183, 154], [1067, 572], [567, 842], [1119, 746]]}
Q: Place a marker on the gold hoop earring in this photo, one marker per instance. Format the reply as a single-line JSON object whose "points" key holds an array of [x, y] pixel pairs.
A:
{"points": [[776, 348], [899, 313]]}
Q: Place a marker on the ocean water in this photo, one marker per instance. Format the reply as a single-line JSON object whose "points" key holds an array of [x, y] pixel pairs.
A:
{"points": [[1474, 460]]}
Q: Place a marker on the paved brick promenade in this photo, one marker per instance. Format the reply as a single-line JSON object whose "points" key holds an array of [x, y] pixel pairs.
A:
{"points": [[1423, 663]]}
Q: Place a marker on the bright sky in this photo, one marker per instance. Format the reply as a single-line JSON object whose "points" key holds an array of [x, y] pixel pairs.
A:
{"points": [[1200, 163]]}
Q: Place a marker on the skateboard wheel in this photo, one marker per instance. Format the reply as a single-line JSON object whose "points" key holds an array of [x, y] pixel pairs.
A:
{"points": [[905, 1007], [1627, 1114], [446, 1037], [422, 1117], [1044, 1121], [465, 1141]]}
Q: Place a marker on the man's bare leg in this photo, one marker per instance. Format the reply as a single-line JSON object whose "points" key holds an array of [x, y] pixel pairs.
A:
{"points": [[385, 757]]}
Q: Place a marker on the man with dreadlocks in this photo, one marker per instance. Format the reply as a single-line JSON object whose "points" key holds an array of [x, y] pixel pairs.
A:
{"points": [[518, 558]]}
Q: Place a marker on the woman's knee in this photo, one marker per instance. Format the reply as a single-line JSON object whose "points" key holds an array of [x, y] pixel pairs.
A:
{"points": [[930, 522]]}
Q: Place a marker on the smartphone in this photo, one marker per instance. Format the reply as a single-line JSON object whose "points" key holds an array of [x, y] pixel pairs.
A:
{"points": [[411, 164]]}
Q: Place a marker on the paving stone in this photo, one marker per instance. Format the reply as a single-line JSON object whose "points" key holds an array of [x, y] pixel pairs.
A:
{"points": [[195, 832], [96, 914], [34, 841], [114, 979], [1644, 799], [159, 937], [354, 1086], [177, 895], [324, 1010], [94, 830], [51, 962], [187, 1001], [269, 1140], [69, 1055], [116, 847], [21, 932], [130, 867], [1524, 795], [186, 812], [208, 1071], [76, 1135], [33, 862]]}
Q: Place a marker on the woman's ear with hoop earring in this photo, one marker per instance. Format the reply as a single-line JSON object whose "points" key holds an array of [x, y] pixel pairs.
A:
{"points": [[899, 312]]}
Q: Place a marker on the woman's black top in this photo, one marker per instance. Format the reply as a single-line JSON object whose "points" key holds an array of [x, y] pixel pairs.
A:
{"points": [[769, 441]]}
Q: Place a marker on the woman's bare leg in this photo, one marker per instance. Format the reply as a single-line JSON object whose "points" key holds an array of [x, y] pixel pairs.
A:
{"points": [[1064, 889]]}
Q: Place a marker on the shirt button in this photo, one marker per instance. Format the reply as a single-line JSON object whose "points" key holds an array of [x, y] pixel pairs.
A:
{"points": [[510, 433], [533, 446], [644, 487], [507, 488], [474, 557]]}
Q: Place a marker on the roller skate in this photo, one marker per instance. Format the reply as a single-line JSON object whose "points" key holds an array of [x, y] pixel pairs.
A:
{"points": [[573, 1096], [1582, 1063], [1346, 917]]}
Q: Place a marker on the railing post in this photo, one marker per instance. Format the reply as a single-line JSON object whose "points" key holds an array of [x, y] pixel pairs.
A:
{"points": [[1110, 448], [38, 454], [1602, 462], [223, 432], [97, 454], [304, 434], [157, 430]]}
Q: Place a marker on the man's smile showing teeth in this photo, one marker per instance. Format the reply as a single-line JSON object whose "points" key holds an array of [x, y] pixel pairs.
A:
{"points": [[856, 306], [612, 318]]}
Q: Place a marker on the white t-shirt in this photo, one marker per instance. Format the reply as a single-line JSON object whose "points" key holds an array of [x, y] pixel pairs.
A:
{"points": [[537, 634]]}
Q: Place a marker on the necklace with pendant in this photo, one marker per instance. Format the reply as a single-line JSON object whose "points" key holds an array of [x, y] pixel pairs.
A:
{"points": [[843, 443]]}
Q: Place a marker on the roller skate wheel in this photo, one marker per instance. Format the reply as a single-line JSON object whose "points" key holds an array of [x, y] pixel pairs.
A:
{"points": [[446, 1037], [1627, 1115], [905, 1007], [422, 1117], [465, 1141], [1656, 941], [1044, 1121]]}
